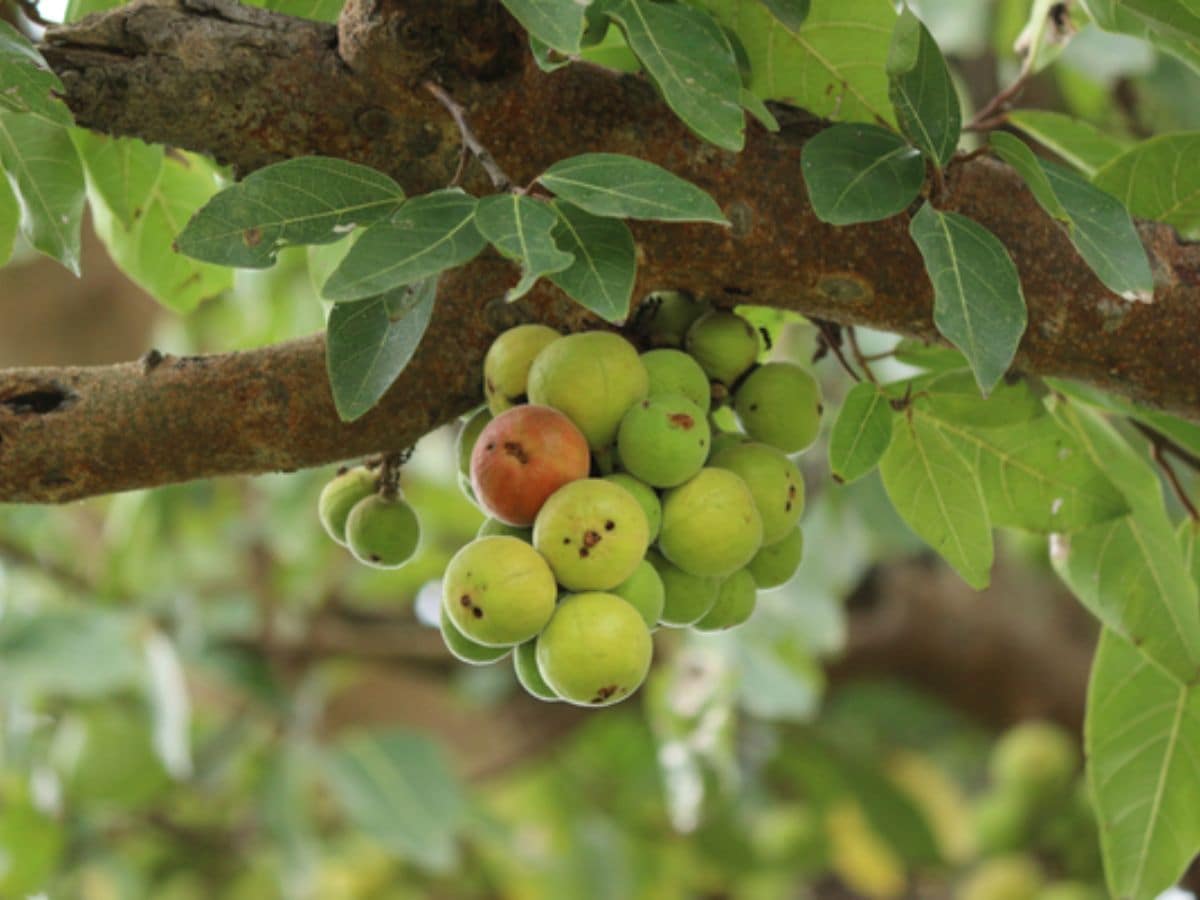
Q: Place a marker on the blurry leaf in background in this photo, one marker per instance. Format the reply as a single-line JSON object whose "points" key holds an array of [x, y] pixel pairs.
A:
{"points": [[123, 171], [170, 706], [31, 845], [1158, 179], [80, 653], [1078, 142]]}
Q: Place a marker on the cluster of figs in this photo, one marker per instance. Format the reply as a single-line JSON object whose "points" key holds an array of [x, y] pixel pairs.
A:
{"points": [[615, 505]]}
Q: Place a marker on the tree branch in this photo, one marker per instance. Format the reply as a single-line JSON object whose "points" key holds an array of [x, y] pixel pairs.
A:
{"points": [[258, 87]]}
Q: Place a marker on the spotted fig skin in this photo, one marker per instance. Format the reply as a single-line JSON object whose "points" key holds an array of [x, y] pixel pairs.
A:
{"points": [[775, 482], [468, 435], [466, 650], [711, 524], [675, 372], [686, 598], [724, 344], [735, 603], [780, 404], [383, 532], [340, 495], [506, 366], [645, 495], [593, 377], [498, 591], [663, 440], [644, 591], [528, 675], [522, 457], [595, 651], [593, 534], [775, 564]]}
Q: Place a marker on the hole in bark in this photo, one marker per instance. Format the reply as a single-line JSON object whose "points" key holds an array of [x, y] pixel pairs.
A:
{"points": [[39, 401]]}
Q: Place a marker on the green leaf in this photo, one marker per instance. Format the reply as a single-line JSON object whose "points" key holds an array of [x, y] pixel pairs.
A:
{"points": [[1189, 545], [311, 200], [1141, 735], [601, 278], [1175, 18], [1079, 143], [922, 93], [954, 396], [790, 13], [860, 173], [861, 433], [427, 236], [27, 81], [395, 788], [1035, 475], [1131, 574], [10, 220], [691, 61], [760, 111], [978, 304], [369, 343], [1098, 225], [832, 65], [44, 169], [1151, 20], [34, 845], [1158, 179], [521, 228], [78, 653], [937, 494], [556, 23], [146, 253], [123, 171], [623, 187]]}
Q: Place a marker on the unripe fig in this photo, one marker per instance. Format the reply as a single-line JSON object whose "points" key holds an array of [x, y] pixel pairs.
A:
{"points": [[595, 651], [643, 590], [724, 344], [465, 649], [522, 457], [498, 591], [1037, 758], [780, 404], [1003, 821], [646, 497], [735, 603], [775, 482], [686, 598], [1003, 878], [664, 317], [776, 563], [663, 440], [525, 665], [604, 460], [711, 525], [467, 436], [382, 531], [340, 496], [464, 485], [674, 372], [593, 533], [593, 377], [494, 527], [506, 366], [723, 440]]}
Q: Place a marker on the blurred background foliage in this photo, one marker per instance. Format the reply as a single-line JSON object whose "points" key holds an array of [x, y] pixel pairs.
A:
{"points": [[202, 696]]}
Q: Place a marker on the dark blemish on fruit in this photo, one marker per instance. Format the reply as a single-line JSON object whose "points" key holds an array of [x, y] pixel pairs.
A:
{"points": [[591, 538], [491, 445], [465, 599], [375, 557], [583, 552], [610, 525], [604, 693], [515, 450], [491, 387], [645, 404], [682, 420], [566, 540], [753, 407], [477, 612], [787, 507]]}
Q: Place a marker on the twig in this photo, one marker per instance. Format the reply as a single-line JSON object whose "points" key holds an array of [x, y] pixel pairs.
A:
{"points": [[389, 476], [29, 9], [858, 355], [470, 141], [995, 111], [1160, 446], [1185, 456], [832, 339]]}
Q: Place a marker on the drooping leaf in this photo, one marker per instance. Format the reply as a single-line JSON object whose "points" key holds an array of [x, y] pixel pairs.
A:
{"points": [[978, 304], [556, 23], [861, 433], [1080, 143], [44, 168], [1141, 735], [601, 277], [690, 60], [790, 13], [1158, 179], [395, 788], [310, 200], [921, 91], [1097, 223], [832, 65], [624, 187], [26, 82], [937, 494], [427, 236], [122, 170], [369, 343], [145, 252], [521, 228], [860, 173]]}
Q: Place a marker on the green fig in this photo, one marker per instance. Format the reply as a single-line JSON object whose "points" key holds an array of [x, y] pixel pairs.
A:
{"points": [[506, 366], [775, 482], [467, 435], [711, 524], [465, 649], [735, 603], [340, 495], [593, 533], [675, 372], [663, 440], [644, 591], [645, 495], [780, 404], [686, 598], [382, 531], [525, 665], [776, 563], [493, 527], [1035, 757], [498, 591], [664, 317], [724, 344]]}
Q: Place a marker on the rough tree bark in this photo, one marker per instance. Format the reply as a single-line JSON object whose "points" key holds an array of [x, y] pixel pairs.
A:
{"points": [[251, 87]]}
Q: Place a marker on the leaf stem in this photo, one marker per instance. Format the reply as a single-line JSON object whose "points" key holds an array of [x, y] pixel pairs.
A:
{"points": [[858, 355], [470, 141], [831, 339], [1160, 446]]}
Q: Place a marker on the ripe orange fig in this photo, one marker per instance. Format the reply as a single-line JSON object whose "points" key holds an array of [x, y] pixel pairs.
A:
{"points": [[523, 456]]}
